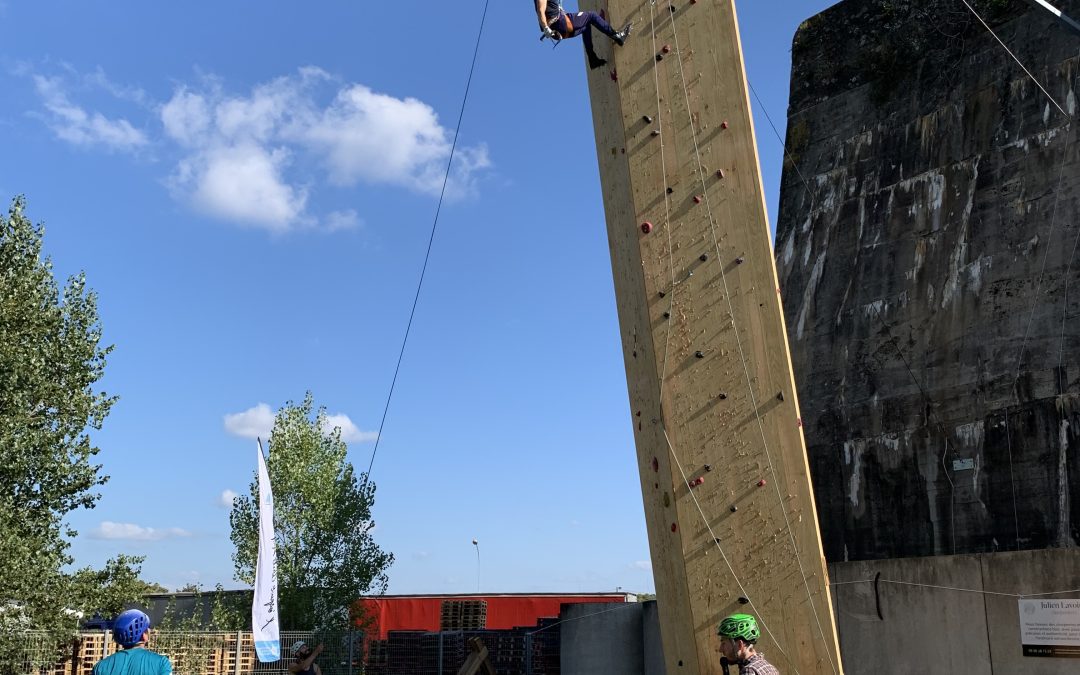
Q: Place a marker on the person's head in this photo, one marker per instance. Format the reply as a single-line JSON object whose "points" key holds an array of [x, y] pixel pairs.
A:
{"points": [[131, 628], [300, 650], [738, 633]]}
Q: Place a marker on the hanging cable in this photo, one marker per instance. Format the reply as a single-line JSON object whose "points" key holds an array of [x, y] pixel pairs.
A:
{"points": [[1018, 62], [431, 241]]}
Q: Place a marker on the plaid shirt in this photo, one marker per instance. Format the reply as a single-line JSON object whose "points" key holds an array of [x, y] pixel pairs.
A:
{"points": [[757, 665]]}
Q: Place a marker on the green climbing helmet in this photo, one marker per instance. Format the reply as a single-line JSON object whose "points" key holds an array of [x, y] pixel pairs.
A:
{"points": [[742, 626]]}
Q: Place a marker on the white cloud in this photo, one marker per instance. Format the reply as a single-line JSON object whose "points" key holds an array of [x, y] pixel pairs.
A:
{"points": [[78, 126], [350, 433], [336, 221], [365, 136], [254, 422], [252, 158], [642, 565], [244, 183], [131, 532], [258, 422], [226, 498]]}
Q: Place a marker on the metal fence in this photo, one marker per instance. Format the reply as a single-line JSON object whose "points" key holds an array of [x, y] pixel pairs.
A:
{"points": [[191, 653], [521, 651]]}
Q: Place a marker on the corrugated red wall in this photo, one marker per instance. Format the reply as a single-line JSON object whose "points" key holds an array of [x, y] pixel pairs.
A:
{"points": [[421, 612]]}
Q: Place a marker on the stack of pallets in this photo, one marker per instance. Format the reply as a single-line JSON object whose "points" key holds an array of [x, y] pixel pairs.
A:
{"points": [[405, 652], [463, 615]]}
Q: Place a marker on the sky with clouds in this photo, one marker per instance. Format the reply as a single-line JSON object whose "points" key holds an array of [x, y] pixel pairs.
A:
{"points": [[250, 188]]}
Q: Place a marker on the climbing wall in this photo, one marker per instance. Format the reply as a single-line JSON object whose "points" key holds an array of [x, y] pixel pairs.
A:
{"points": [[731, 517]]}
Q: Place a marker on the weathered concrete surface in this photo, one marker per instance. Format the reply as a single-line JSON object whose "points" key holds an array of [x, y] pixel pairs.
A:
{"points": [[923, 629], [599, 638], [913, 277]]}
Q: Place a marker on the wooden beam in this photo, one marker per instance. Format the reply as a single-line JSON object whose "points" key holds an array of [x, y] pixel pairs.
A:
{"points": [[724, 474], [477, 662]]}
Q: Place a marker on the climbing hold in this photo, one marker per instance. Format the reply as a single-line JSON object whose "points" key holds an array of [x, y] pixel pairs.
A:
{"points": [[798, 422], [719, 173], [703, 257], [659, 57], [744, 601], [761, 483], [667, 499], [724, 124], [734, 508], [614, 75], [670, 190], [646, 119], [666, 49], [780, 396], [655, 132], [700, 480], [697, 199], [662, 294], [708, 467], [739, 260], [655, 464], [667, 315], [646, 227], [674, 527], [717, 540], [700, 354], [638, 413], [672, 8], [722, 396]]}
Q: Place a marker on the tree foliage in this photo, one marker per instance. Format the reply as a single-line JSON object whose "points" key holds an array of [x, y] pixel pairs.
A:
{"points": [[326, 556], [51, 360]]}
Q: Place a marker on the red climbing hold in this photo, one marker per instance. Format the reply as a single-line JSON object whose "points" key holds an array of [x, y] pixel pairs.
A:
{"points": [[798, 421], [719, 173], [697, 199], [646, 227], [614, 75], [761, 483], [700, 480], [666, 49], [674, 527], [724, 124]]}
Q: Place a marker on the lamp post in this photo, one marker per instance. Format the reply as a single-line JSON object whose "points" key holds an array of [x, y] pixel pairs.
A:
{"points": [[477, 545]]}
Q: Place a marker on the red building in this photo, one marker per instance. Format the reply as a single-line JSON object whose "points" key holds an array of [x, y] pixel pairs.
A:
{"points": [[503, 611]]}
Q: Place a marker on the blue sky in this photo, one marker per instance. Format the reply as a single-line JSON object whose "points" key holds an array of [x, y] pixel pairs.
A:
{"points": [[250, 188]]}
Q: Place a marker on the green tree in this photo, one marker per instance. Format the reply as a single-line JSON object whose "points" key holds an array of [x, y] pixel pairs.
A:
{"points": [[51, 359], [326, 556]]}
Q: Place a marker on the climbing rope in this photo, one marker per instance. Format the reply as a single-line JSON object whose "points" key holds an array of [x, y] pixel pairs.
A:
{"points": [[431, 241]]}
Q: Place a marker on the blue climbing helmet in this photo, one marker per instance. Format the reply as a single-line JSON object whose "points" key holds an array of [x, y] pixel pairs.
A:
{"points": [[128, 628]]}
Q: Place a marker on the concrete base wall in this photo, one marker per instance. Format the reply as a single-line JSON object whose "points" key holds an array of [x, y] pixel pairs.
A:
{"points": [[600, 638], [902, 624]]}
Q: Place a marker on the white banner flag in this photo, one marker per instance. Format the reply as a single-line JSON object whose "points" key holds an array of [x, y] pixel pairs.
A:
{"points": [[264, 609]]}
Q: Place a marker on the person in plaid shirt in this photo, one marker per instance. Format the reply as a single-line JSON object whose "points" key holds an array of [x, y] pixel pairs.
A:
{"points": [[738, 633]]}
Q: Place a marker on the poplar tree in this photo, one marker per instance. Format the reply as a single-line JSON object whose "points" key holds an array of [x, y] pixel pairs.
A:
{"points": [[51, 359], [326, 556]]}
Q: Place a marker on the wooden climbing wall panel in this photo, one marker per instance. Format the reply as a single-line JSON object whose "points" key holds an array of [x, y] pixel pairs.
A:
{"points": [[731, 518]]}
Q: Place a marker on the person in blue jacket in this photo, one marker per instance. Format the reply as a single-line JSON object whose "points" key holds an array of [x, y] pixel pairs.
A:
{"points": [[557, 24], [131, 630]]}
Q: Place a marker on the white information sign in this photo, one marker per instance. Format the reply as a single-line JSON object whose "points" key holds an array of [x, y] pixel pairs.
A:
{"points": [[1050, 627]]}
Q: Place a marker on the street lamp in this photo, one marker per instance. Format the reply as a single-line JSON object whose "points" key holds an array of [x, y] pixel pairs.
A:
{"points": [[477, 545]]}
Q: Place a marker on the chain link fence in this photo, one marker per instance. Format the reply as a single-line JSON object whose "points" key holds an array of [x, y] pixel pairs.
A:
{"points": [[520, 651]]}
